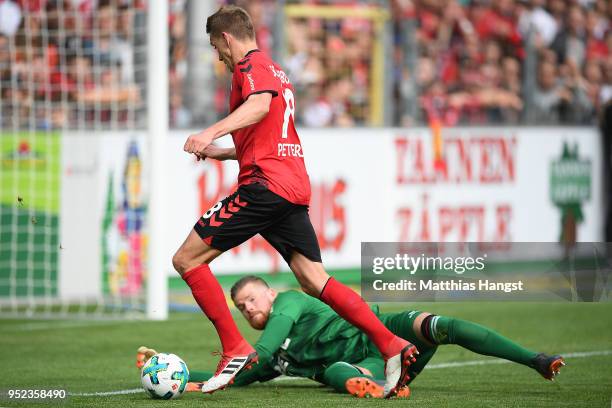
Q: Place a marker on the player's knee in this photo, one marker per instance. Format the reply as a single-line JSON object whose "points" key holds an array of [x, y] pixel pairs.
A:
{"points": [[342, 368], [306, 284], [337, 367], [421, 328], [438, 329], [313, 281], [181, 262], [309, 288], [310, 274]]}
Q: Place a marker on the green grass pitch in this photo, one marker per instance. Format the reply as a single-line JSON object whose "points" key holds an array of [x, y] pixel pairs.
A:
{"points": [[89, 357]]}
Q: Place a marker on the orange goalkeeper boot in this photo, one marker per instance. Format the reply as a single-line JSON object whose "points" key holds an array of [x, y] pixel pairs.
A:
{"points": [[362, 387]]}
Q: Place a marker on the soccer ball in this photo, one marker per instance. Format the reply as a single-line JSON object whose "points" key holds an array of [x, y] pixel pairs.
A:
{"points": [[164, 376]]}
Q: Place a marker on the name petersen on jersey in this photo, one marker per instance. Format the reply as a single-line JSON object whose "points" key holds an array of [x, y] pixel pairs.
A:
{"points": [[286, 149]]}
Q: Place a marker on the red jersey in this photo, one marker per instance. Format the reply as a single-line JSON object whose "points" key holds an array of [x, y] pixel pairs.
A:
{"points": [[269, 151]]}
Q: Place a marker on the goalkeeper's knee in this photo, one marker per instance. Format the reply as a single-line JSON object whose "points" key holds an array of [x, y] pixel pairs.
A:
{"points": [[341, 369], [450, 330], [336, 375], [438, 329]]}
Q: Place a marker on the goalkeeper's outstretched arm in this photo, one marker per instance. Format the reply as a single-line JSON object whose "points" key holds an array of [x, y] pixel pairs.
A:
{"points": [[277, 330], [261, 372]]}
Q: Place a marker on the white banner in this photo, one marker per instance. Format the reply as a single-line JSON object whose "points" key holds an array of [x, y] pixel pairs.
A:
{"points": [[483, 184], [489, 184], [494, 185], [103, 213]]}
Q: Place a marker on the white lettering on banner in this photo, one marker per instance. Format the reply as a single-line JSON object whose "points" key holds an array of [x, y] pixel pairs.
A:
{"points": [[289, 150], [473, 159]]}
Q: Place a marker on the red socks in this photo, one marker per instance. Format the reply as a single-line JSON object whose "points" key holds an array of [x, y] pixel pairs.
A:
{"points": [[348, 304], [352, 308], [209, 295]]}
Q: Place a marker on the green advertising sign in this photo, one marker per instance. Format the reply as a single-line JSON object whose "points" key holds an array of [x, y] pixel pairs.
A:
{"points": [[570, 178], [570, 186], [30, 171]]}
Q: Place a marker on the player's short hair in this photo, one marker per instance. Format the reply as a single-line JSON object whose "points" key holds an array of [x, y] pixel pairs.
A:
{"points": [[231, 19], [242, 282]]}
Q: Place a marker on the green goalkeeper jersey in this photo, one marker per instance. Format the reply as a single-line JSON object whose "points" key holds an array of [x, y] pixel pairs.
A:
{"points": [[318, 336], [302, 337]]}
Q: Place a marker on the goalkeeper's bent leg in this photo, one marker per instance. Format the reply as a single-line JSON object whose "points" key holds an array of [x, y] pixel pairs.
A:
{"points": [[359, 381], [476, 338], [336, 375]]}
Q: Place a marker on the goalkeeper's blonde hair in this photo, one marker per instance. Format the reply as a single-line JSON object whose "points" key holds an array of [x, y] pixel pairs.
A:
{"points": [[242, 282]]}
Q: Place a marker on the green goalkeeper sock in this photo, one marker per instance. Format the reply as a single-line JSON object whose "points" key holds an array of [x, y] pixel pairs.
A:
{"points": [[479, 339], [200, 376], [336, 375]]}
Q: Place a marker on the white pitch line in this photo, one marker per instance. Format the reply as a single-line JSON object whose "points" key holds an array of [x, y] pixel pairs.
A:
{"points": [[60, 325], [580, 354], [72, 324], [493, 360], [500, 361], [102, 394]]}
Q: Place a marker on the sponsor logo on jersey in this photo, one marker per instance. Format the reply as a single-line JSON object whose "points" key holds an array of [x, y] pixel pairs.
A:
{"points": [[251, 82]]}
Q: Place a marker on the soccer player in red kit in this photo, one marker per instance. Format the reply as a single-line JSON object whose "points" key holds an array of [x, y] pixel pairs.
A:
{"points": [[272, 199]]}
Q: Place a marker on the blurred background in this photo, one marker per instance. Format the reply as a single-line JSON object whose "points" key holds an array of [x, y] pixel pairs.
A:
{"points": [[82, 63], [424, 120]]}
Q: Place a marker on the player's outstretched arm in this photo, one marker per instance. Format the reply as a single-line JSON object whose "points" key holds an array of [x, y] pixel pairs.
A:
{"points": [[219, 153], [254, 109]]}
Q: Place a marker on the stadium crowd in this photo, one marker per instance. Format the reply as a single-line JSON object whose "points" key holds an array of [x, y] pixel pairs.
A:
{"points": [[66, 62], [81, 63], [474, 55], [471, 64], [76, 63]]}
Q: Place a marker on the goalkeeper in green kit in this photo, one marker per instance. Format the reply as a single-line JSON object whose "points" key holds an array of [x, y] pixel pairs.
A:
{"points": [[304, 337]]}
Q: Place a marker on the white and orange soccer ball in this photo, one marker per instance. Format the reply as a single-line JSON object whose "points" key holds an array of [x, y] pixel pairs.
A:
{"points": [[164, 376]]}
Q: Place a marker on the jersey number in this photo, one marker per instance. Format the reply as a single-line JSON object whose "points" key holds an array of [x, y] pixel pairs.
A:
{"points": [[289, 110], [212, 210]]}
